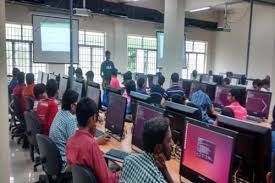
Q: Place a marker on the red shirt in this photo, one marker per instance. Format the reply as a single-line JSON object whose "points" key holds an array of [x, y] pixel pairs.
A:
{"points": [[239, 111], [28, 90], [18, 91], [46, 110], [82, 149], [115, 82]]}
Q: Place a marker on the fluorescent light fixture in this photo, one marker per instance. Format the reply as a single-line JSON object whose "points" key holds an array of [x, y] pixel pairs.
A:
{"points": [[200, 9]]}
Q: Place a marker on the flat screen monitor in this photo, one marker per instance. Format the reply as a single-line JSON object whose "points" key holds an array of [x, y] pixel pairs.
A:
{"points": [[218, 79], [207, 153], [145, 112], [155, 80], [186, 86], [234, 81], [221, 96], [211, 90], [45, 78], [195, 86], [253, 148], [39, 78], [258, 103], [135, 98], [115, 115], [95, 94], [63, 85], [205, 78], [78, 86]]}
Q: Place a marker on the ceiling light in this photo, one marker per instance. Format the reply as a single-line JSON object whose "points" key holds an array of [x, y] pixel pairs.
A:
{"points": [[200, 9]]}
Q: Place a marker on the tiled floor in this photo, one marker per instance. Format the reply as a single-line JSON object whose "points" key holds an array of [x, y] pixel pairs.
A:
{"points": [[21, 165]]}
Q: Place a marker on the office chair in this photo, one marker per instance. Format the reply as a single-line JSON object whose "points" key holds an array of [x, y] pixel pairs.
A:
{"points": [[33, 128], [51, 160], [155, 98], [228, 112], [177, 99], [82, 175], [29, 103], [198, 114]]}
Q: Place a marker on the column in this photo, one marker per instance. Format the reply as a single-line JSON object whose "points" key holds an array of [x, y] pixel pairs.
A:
{"points": [[174, 41], [4, 130]]}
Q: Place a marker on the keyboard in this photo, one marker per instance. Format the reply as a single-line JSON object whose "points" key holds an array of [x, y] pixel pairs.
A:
{"points": [[99, 133], [116, 155]]}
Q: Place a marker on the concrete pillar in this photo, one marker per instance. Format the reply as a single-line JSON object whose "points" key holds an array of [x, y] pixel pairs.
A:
{"points": [[4, 130], [174, 41]]}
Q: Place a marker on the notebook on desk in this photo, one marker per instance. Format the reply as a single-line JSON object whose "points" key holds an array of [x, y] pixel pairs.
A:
{"points": [[116, 155]]}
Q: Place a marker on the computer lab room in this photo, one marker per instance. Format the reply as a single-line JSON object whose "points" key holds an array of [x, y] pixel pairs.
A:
{"points": [[137, 91]]}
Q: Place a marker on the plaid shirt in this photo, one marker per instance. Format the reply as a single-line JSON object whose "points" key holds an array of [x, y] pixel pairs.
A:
{"points": [[203, 101], [139, 168]]}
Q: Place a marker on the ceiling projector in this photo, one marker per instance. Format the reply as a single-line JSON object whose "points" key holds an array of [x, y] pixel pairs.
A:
{"points": [[83, 12]]}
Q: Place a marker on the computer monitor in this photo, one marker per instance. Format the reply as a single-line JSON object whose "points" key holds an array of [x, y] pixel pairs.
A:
{"points": [[186, 86], [249, 83], [234, 81], [253, 148], [155, 79], [196, 86], [45, 78], [258, 103], [63, 85], [135, 98], [221, 96], [205, 78], [39, 78], [211, 90], [77, 87], [145, 112], [115, 115], [207, 153], [94, 93], [217, 79]]}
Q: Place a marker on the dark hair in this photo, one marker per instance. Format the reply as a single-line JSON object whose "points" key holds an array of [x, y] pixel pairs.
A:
{"points": [[79, 71], [228, 112], [257, 82], [15, 71], [210, 72], [161, 80], [107, 52], [266, 82], [114, 72], [85, 109], [21, 78], [69, 97], [130, 86], [175, 77], [140, 82], [107, 78], [195, 73], [236, 93], [154, 133], [226, 81], [90, 74], [51, 87], [229, 74], [30, 78], [159, 73], [127, 76], [38, 90]]}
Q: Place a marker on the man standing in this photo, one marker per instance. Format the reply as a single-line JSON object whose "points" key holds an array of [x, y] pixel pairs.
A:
{"points": [[107, 66]]}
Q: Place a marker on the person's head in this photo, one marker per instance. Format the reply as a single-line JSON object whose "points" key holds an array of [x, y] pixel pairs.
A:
{"points": [[90, 76], [210, 72], [20, 78], [226, 81], [69, 101], [257, 84], [157, 137], [127, 76], [78, 73], [194, 74], [86, 112], [130, 86], [270, 178], [52, 88], [30, 78], [141, 82], [234, 95], [114, 72], [268, 78], [175, 77], [39, 91], [229, 74], [108, 55], [266, 84], [161, 80], [15, 71]]}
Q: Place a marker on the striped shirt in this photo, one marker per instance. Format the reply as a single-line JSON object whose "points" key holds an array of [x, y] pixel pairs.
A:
{"points": [[139, 168], [175, 89], [63, 127], [204, 103]]}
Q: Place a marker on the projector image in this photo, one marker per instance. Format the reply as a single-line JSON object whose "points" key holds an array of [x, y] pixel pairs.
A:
{"points": [[83, 12]]}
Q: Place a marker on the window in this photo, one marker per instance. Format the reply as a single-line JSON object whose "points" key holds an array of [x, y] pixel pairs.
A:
{"points": [[142, 54], [196, 55], [19, 49], [91, 53]]}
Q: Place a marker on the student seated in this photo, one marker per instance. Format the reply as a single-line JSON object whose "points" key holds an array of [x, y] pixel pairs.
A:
{"points": [[175, 89], [114, 81], [203, 101], [64, 124], [89, 77], [48, 107], [79, 75], [141, 86], [257, 84], [39, 92], [234, 97], [225, 82], [18, 90], [106, 83], [28, 91], [158, 87], [150, 166], [266, 85], [82, 148], [13, 82], [127, 77], [129, 86], [195, 75]]}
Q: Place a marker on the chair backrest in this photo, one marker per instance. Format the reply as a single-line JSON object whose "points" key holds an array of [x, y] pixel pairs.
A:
{"points": [[198, 114], [177, 99], [17, 108], [228, 112], [82, 175], [33, 126], [29, 103], [155, 98], [49, 155]]}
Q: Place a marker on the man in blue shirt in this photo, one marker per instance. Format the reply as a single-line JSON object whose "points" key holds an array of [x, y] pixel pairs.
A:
{"points": [[13, 82], [158, 87], [175, 89], [64, 124]]}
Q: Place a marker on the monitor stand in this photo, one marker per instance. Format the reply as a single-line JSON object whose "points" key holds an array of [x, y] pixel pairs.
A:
{"points": [[116, 136]]}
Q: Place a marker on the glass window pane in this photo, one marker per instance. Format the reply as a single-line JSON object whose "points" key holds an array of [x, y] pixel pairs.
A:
{"points": [[95, 39], [13, 31], [184, 74], [22, 56], [189, 46], [134, 42], [140, 61], [9, 57], [152, 62], [199, 47], [85, 59], [150, 43], [132, 56], [97, 59], [27, 33], [191, 63], [81, 37], [37, 67], [200, 63]]}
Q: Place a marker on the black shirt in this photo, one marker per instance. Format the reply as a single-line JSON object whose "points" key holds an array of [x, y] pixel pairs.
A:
{"points": [[106, 68]]}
